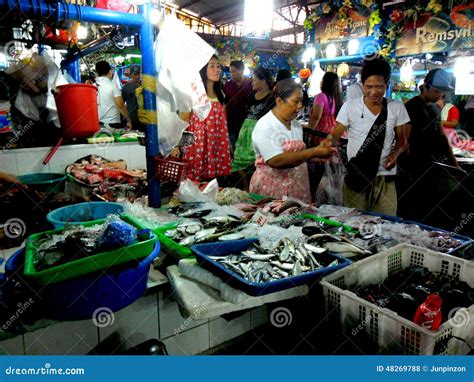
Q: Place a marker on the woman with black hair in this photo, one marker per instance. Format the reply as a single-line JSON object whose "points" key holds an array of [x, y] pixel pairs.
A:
{"points": [[281, 168], [209, 156], [326, 104], [261, 102]]}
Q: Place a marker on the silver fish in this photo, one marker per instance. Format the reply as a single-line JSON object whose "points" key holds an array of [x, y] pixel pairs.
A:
{"points": [[258, 256], [342, 247], [314, 249], [232, 236]]}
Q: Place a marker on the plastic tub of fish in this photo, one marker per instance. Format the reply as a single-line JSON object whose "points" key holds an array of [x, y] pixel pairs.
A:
{"points": [[392, 333], [172, 246], [464, 240], [88, 264], [207, 255], [78, 299], [83, 212], [192, 231]]}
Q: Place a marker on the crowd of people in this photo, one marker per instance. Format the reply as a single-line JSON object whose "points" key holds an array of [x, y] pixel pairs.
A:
{"points": [[396, 152], [399, 157]]}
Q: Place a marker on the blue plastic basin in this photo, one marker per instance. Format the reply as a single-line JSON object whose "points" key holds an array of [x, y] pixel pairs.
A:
{"points": [[44, 182], [81, 298], [83, 212]]}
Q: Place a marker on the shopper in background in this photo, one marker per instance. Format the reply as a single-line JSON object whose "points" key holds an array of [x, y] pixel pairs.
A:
{"points": [[110, 100], [356, 90], [281, 168], [258, 105], [326, 104], [283, 74], [425, 183], [322, 118], [130, 98], [237, 93], [209, 156], [449, 119], [377, 134], [468, 125]]}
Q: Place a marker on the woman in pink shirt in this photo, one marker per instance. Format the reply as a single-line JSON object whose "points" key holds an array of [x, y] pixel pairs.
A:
{"points": [[323, 118], [326, 104]]}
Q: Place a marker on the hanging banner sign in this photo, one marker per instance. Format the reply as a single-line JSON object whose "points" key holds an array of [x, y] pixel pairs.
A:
{"points": [[333, 27], [432, 34]]}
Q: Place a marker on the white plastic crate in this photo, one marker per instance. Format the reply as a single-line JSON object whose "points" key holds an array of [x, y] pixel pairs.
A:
{"points": [[393, 333]]}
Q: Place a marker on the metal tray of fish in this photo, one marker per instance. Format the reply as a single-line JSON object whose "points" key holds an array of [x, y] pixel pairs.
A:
{"points": [[206, 255]]}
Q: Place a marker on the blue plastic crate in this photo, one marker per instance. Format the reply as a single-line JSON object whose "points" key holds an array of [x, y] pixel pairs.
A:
{"points": [[203, 251], [464, 239], [394, 219], [78, 299]]}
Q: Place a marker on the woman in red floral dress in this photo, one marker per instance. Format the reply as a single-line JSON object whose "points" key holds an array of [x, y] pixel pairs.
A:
{"points": [[209, 156]]}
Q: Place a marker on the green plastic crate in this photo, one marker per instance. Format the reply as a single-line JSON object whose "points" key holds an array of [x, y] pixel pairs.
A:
{"points": [[88, 264], [179, 251]]}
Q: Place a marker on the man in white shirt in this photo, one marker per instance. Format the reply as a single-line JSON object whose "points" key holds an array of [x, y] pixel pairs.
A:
{"points": [[110, 99], [375, 134]]}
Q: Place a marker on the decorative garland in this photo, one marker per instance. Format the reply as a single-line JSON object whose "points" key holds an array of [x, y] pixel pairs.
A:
{"points": [[344, 9], [233, 49]]}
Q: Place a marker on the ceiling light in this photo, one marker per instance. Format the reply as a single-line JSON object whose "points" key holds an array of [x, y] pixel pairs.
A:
{"points": [[331, 51], [353, 47]]}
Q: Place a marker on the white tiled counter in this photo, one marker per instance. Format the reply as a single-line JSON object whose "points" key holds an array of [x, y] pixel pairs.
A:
{"points": [[30, 160], [154, 316]]}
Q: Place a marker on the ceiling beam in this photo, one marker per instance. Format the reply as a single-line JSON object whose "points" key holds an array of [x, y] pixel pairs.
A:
{"points": [[220, 10], [285, 32]]}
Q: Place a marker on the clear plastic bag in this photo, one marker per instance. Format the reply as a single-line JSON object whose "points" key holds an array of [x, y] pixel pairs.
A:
{"points": [[330, 188], [189, 192]]}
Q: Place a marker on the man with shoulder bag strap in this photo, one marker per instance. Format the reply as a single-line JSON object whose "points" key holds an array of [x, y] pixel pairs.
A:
{"points": [[377, 133]]}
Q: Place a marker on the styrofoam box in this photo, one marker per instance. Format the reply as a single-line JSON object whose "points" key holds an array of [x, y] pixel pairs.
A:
{"points": [[393, 333]]}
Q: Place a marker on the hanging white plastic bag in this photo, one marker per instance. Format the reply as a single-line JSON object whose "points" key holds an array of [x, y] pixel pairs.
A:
{"points": [[315, 80], [55, 78], [330, 188], [170, 127], [29, 106], [180, 54]]}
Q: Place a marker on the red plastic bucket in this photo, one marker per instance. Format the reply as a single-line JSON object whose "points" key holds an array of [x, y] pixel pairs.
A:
{"points": [[77, 110]]}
